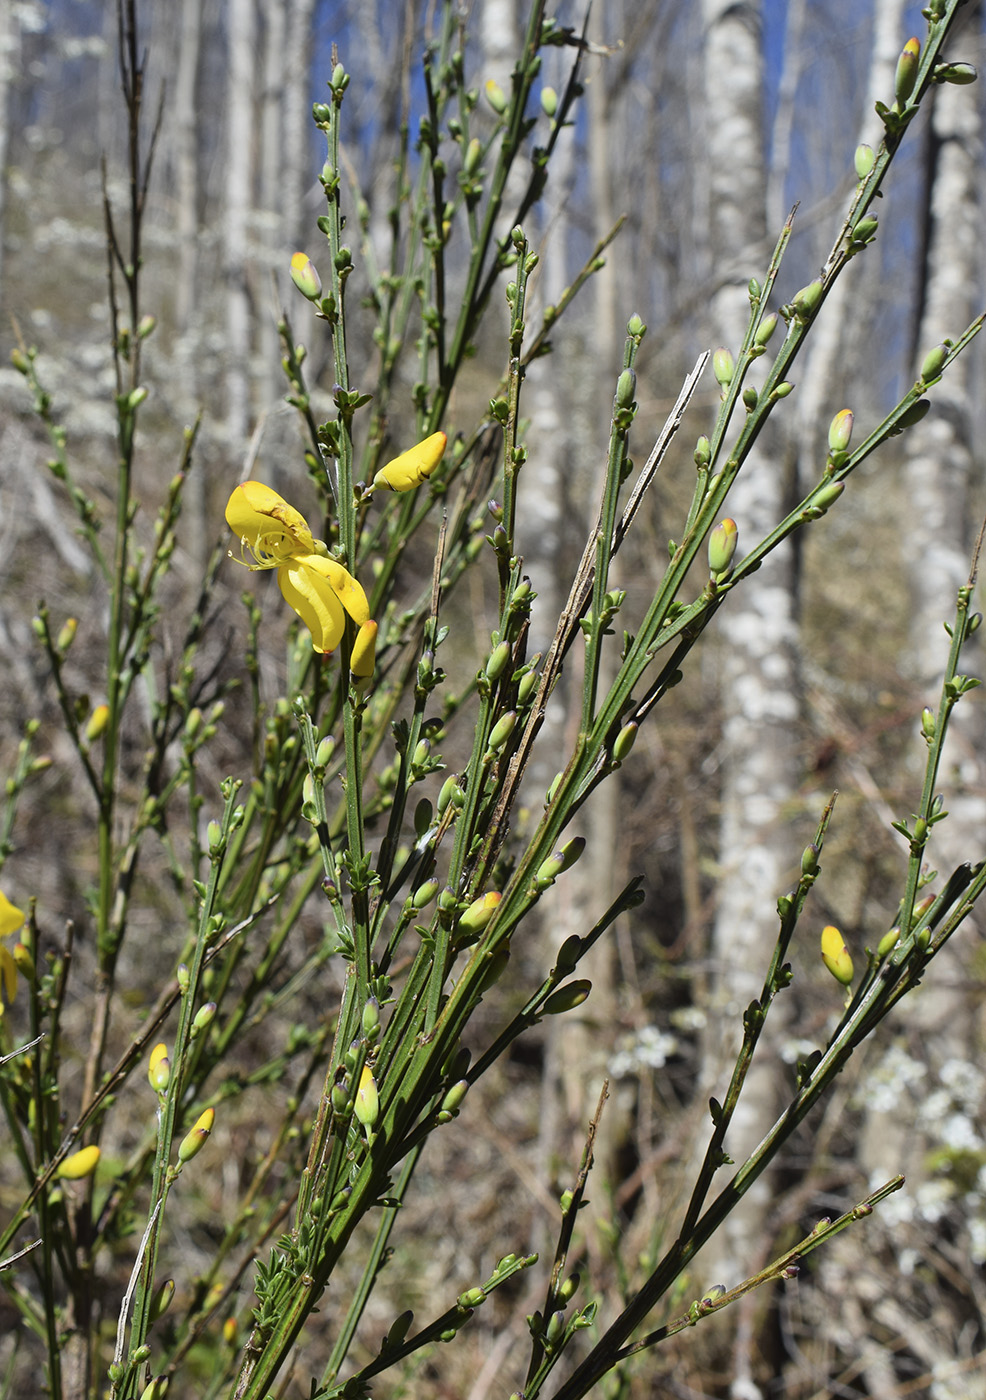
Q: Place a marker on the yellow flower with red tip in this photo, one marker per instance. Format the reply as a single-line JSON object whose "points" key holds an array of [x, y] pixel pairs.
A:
{"points": [[276, 536], [11, 919]]}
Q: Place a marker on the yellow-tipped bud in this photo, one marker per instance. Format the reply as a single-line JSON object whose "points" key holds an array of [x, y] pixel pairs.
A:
{"points": [[412, 467], [840, 430], [907, 71], [80, 1164], [98, 721], [722, 546], [495, 96], [159, 1069], [479, 913], [367, 1106], [193, 1142], [305, 276], [835, 955], [67, 635]]}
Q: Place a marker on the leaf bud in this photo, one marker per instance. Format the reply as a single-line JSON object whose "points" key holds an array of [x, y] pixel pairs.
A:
{"points": [[722, 546], [723, 366], [98, 721], [159, 1069], [636, 328], [764, 331], [907, 71], [933, 363], [495, 96], [840, 430], [479, 913], [80, 1164], [567, 998], [835, 955], [367, 1105], [193, 1142], [864, 160]]}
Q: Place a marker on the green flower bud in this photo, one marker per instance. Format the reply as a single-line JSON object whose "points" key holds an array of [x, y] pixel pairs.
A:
{"points": [[214, 837], [451, 792], [474, 154], [750, 398], [498, 658], [203, 1018], [156, 1389], [549, 101], [723, 366], [625, 741], [929, 723], [960, 73], [453, 1099], [526, 686], [907, 71], [864, 160], [559, 862], [765, 330], [912, 416], [722, 546], [567, 998], [553, 789], [625, 388], [161, 1301], [568, 1288], [781, 390], [807, 300], [471, 1298], [636, 328], [809, 860], [933, 363], [826, 496], [501, 731], [888, 943], [424, 894], [136, 397], [370, 1019], [835, 955], [67, 635], [324, 752], [840, 430], [702, 453], [865, 230], [555, 1328]]}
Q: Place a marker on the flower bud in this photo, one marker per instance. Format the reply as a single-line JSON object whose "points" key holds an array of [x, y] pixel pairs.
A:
{"points": [[826, 496], [702, 453], [567, 998], [156, 1389], [450, 793], [625, 741], [193, 1142], [723, 366], [80, 1164], [765, 329], [781, 390], [364, 656], [424, 894], [98, 721], [367, 1105], [888, 942], [136, 397], [496, 97], [835, 955], [67, 635], [203, 1018], [453, 1100], [159, 1069], [907, 71], [479, 913], [960, 73], [161, 1301], [412, 467], [559, 862], [305, 276], [722, 546], [24, 961], [933, 363], [625, 388], [864, 160], [474, 154], [497, 661], [549, 101], [501, 731], [840, 430], [929, 723], [807, 300]]}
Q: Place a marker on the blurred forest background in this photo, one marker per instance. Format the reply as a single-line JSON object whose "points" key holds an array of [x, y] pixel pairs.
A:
{"points": [[703, 125]]}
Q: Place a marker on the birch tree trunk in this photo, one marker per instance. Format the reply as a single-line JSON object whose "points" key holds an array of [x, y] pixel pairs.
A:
{"points": [[236, 218], [759, 761]]}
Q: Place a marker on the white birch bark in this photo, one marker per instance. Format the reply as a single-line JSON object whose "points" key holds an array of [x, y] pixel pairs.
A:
{"points": [[238, 204]]}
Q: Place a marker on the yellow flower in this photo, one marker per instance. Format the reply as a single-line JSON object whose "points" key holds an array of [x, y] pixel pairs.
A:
{"points": [[277, 536], [412, 467], [11, 919]]}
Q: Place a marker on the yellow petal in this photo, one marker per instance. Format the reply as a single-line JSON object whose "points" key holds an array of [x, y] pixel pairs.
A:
{"points": [[314, 600], [343, 585], [11, 917], [412, 467], [8, 973], [255, 512]]}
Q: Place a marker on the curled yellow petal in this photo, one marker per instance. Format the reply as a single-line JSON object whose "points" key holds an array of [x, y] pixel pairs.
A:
{"points": [[343, 585], [11, 917], [79, 1164], [315, 602], [412, 467]]}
